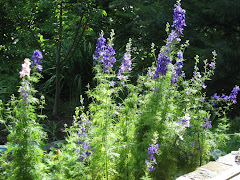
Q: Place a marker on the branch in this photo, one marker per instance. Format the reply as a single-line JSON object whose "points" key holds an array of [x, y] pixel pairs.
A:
{"points": [[74, 39], [74, 49]]}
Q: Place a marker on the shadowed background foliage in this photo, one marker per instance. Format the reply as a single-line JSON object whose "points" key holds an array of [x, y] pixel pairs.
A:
{"points": [[29, 25]]}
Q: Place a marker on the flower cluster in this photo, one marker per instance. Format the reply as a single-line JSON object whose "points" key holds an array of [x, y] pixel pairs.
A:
{"points": [[172, 37], [37, 55], [178, 68], [232, 97], [84, 147], [163, 57], [179, 18], [25, 68], [105, 52], [126, 64], [151, 150], [163, 61], [24, 91], [207, 124], [185, 120], [24, 88]]}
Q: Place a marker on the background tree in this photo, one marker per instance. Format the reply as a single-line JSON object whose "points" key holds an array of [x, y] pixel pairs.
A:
{"points": [[56, 28], [209, 27]]}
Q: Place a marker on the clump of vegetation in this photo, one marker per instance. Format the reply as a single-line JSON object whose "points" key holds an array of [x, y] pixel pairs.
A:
{"points": [[162, 125]]}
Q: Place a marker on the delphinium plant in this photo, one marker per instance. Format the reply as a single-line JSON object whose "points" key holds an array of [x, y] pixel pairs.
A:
{"points": [[23, 158], [72, 160], [103, 110]]}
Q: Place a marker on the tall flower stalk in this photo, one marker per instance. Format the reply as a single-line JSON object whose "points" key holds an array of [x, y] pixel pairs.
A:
{"points": [[26, 135], [126, 64], [164, 57]]}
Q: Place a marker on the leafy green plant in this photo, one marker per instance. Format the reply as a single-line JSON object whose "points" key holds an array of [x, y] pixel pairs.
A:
{"points": [[25, 134], [72, 160]]}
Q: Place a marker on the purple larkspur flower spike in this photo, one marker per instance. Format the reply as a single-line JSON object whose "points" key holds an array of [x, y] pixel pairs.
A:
{"points": [[105, 52], [178, 68], [126, 64], [37, 55], [207, 124], [179, 18], [161, 69]]}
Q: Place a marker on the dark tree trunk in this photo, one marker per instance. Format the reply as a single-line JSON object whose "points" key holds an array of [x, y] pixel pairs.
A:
{"points": [[58, 58]]}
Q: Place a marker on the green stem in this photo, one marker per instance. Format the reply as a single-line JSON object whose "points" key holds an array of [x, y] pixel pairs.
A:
{"points": [[200, 150]]}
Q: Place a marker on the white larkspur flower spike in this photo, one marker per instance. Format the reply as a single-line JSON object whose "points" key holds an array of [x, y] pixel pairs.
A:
{"points": [[25, 68]]}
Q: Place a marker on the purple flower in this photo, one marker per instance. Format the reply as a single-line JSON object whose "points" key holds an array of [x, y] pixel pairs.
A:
{"points": [[151, 156], [163, 58], [79, 134], [89, 147], [25, 95], [105, 53], [37, 55], [207, 124], [151, 150], [151, 168], [154, 160], [85, 146], [80, 159], [185, 120], [233, 95], [79, 141], [161, 69], [193, 143], [155, 89], [126, 63], [172, 37], [112, 83], [215, 96], [88, 153], [212, 64], [204, 86], [76, 151], [213, 103], [179, 18], [89, 122], [226, 98], [178, 68], [83, 130], [83, 154], [100, 47], [24, 92]]}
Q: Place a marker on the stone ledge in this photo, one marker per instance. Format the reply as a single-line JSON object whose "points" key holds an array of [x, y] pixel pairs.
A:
{"points": [[225, 168]]}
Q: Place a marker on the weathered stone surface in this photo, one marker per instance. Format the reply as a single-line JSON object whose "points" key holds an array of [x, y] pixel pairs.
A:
{"points": [[216, 167], [225, 168], [198, 174], [228, 159], [231, 174]]}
